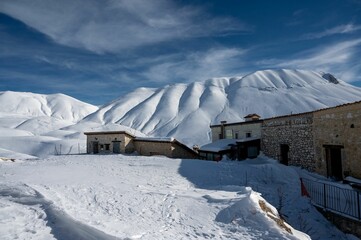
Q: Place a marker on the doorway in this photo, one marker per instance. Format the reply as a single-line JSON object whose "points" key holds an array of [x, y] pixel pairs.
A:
{"points": [[95, 147], [116, 146], [334, 161], [284, 154]]}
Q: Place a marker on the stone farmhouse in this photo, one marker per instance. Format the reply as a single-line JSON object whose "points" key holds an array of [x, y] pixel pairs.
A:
{"points": [[238, 140], [107, 142], [326, 141]]}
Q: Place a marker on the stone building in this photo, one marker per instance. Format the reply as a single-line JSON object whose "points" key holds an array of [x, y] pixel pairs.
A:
{"points": [[169, 147], [239, 140], [124, 142], [250, 128], [327, 141], [289, 139], [337, 132], [109, 142]]}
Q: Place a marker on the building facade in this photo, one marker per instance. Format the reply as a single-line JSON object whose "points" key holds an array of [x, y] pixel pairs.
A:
{"points": [[238, 130], [109, 142], [337, 141], [239, 140], [326, 141], [168, 147], [289, 139], [124, 142]]}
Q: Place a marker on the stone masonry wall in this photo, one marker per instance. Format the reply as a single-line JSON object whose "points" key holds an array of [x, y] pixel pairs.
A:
{"points": [[296, 131], [339, 126]]}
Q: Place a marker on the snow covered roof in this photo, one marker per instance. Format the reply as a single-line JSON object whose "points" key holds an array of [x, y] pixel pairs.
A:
{"points": [[109, 132], [238, 123], [155, 139], [248, 139], [217, 146], [311, 112]]}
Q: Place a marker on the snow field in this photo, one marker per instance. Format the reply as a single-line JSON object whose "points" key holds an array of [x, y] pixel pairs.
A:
{"points": [[133, 197]]}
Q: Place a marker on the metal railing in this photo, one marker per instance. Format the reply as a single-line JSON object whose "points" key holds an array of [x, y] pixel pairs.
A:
{"points": [[344, 201]]}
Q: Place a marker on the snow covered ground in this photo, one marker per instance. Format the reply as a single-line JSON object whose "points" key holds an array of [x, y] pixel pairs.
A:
{"points": [[133, 197]]}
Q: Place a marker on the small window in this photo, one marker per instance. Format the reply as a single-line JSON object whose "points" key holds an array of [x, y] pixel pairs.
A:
{"points": [[107, 146], [248, 135], [101, 147], [229, 134], [352, 126], [236, 135]]}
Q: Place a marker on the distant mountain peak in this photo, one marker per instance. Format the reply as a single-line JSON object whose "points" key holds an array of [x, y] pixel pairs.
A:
{"points": [[330, 78]]}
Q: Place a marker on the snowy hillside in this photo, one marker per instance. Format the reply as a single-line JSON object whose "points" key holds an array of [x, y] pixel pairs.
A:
{"points": [[132, 197], [185, 111], [29, 122], [59, 106]]}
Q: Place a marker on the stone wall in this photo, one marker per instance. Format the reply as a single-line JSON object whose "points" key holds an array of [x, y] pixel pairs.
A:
{"points": [[165, 148], [345, 224], [180, 151], [149, 148], [339, 126], [296, 132]]}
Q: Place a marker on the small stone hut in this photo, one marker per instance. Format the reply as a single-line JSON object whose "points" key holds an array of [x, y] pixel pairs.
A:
{"points": [[110, 142], [169, 147], [107, 142]]}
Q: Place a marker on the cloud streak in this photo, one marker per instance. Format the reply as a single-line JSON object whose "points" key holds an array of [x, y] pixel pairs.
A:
{"points": [[339, 58], [197, 66], [341, 29], [112, 26]]}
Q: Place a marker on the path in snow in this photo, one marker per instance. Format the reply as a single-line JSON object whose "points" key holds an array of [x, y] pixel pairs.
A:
{"points": [[63, 227]]}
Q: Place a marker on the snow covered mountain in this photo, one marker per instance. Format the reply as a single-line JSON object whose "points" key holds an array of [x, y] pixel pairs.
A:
{"points": [[185, 111], [30, 123], [59, 106], [40, 125]]}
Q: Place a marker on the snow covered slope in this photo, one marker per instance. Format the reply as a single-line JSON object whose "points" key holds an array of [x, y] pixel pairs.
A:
{"points": [[133, 197], [28, 122], [185, 111], [55, 105]]}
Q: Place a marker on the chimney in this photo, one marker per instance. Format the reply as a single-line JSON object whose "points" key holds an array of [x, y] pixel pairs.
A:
{"points": [[223, 132]]}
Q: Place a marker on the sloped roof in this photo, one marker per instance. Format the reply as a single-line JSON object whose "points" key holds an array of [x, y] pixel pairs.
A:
{"points": [[219, 145]]}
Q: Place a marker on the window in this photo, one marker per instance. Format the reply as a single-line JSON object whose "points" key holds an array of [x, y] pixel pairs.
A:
{"points": [[229, 134], [107, 146], [101, 147], [236, 135], [248, 134]]}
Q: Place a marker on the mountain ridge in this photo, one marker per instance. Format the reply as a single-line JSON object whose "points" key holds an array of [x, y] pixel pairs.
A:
{"points": [[174, 109]]}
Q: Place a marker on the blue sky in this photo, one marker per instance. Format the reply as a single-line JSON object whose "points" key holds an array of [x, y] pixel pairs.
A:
{"points": [[98, 50]]}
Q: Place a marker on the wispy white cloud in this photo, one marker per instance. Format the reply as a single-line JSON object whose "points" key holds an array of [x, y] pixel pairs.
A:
{"points": [[112, 26], [197, 66], [341, 29], [341, 59]]}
